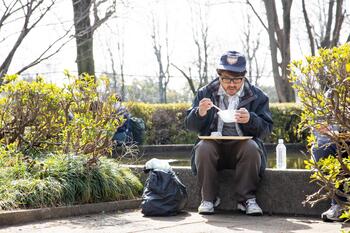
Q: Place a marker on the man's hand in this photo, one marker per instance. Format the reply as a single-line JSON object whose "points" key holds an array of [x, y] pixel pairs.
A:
{"points": [[242, 115], [204, 105]]}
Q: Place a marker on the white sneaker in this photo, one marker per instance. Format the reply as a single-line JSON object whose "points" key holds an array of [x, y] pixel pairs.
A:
{"points": [[217, 202], [206, 207], [332, 214], [250, 207]]}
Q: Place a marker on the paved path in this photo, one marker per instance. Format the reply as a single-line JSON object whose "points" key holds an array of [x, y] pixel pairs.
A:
{"points": [[133, 221]]}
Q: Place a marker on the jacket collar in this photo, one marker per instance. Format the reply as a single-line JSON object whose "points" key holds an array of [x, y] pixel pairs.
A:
{"points": [[248, 96]]}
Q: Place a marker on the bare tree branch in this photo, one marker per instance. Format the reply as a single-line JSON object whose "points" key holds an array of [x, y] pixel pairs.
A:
{"points": [[9, 10], [188, 77], [109, 12], [257, 15], [28, 10], [251, 45], [42, 56], [308, 28], [200, 38], [163, 75], [330, 24]]}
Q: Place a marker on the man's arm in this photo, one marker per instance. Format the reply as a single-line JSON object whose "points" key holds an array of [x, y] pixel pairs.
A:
{"points": [[260, 121], [197, 115]]}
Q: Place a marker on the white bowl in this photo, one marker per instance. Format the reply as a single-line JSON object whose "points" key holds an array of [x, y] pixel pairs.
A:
{"points": [[227, 116]]}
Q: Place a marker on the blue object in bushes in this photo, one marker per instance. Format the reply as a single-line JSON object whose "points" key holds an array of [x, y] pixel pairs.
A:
{"points": [[132, 131]]}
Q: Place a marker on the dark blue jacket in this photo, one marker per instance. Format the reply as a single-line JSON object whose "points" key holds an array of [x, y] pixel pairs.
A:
{"points": [[254, 100]]}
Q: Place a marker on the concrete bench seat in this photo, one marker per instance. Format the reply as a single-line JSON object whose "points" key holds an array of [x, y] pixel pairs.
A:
{"points": [[280, 192]]}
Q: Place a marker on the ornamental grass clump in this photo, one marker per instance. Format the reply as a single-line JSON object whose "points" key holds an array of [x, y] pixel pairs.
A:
{"points": [[323, 86], [64, 180], [53, 141]]}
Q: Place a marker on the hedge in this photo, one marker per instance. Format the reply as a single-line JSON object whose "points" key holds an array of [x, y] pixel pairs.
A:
{"points": [[165, 123]]}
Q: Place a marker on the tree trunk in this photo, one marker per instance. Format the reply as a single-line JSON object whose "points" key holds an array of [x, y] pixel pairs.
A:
{"points": [[84, 36], [332, 26], [251, 46], [280, 44], [123, 81], [339, 18], [163, 75]]}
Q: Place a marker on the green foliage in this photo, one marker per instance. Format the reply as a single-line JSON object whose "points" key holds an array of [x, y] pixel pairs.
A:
{"points": [[286, 119], [165, 122], [62, 180], [51, 140], [323, 86], [94, 121], [37, 116]]}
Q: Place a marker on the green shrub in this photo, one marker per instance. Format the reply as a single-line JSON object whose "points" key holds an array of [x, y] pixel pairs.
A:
{"points": [[165, 123], [63, 180], [51, 140], [330, 70], [286, 119], [38, 116]]}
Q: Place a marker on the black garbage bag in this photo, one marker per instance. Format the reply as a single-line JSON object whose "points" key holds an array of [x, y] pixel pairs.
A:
{"points": [[163, 194]]}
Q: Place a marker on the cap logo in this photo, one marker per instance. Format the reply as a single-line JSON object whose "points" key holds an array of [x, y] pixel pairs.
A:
{"points": [[231, 59]]}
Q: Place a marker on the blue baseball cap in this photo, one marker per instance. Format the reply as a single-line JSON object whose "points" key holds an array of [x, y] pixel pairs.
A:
{"points": [[232, 61]]}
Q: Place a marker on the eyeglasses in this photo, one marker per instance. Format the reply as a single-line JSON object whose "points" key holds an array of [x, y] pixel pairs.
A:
{"points": [[235, 80]]}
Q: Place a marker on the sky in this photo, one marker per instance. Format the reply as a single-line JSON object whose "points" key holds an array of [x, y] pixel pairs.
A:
{"points": [[132, 26], [135, 26]]}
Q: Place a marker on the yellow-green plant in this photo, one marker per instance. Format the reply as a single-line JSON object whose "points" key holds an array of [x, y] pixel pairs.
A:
{"points": [[328, 72], [94, 117], [50, 141], [79, 118], [30, 113]]}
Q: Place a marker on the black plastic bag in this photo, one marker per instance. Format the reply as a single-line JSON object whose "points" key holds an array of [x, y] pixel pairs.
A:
{"points": [[163, 195]]}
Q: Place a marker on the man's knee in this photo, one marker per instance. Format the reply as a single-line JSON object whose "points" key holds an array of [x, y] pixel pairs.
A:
{"points": [[205, 150], [250, 148]]}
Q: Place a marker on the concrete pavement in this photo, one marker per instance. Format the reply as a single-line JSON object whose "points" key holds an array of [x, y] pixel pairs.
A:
{"points": [[188, 222]]}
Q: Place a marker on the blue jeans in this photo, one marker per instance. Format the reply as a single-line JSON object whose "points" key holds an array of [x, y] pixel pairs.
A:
{"points": [[324, 151]]}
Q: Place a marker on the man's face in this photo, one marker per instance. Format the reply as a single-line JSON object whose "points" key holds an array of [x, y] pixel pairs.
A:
{"points": [[230, 83]]}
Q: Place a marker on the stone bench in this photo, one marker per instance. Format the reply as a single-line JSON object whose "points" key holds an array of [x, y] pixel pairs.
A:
{"points": [[280, 191]]}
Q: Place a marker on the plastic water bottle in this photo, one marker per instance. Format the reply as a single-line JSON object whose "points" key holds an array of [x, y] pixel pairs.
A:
{"points": [[281, 155]]}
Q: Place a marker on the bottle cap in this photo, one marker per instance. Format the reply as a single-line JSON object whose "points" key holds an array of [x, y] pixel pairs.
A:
{"points": [[280, 140]]}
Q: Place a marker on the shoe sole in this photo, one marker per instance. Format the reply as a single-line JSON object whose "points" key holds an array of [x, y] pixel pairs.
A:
{"points": [[254, 214], [326, 219], [206, 213]]}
